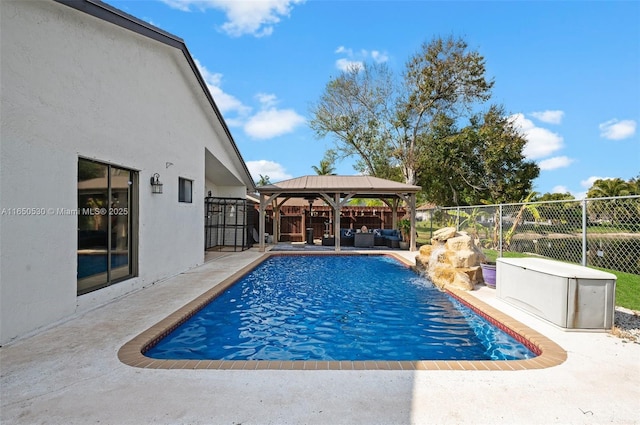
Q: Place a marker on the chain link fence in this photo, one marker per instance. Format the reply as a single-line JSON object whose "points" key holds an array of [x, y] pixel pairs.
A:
{"points": [[597, 232]]}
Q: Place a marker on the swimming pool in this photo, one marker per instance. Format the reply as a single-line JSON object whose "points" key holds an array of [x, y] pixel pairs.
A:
{"points": [[334, 308]]}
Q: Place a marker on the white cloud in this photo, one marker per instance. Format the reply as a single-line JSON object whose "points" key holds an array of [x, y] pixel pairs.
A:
{"points": [[356, 60], [579, 195], [243, 17], [267, 100], [555, 163], [269, 122], [589, 182], [272, 122], [347, 65], [565, 189], [179, 4], [540, 141], [275, 171], [379, 56], [617, 130], [228, 104], [550, 117]]}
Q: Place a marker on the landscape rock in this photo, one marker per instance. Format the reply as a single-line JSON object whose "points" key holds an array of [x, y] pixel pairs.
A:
{"points": [[452, 260]]}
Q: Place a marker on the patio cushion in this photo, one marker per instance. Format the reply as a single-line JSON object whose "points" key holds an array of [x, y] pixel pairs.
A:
{"points": [[346, 233], [388, 232]]}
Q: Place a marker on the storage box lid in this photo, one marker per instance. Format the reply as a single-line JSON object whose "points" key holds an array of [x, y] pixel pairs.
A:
{"points": [[557, 268]]}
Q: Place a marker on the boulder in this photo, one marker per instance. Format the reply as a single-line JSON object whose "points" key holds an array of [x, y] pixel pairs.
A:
{"points": [[444, 234], [452, 260]]}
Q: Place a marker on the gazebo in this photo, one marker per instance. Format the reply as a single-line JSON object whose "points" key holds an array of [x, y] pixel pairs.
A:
{"points": [[336, 191]]}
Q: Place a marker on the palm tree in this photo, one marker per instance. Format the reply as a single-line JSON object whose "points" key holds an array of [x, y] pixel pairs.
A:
{"points": [[527, 206], [634, 186], [604, 188], [472, 223], [326, 168], [263, 181]]}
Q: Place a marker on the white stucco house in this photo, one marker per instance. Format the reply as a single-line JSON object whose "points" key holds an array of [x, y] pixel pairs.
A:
{"points": [[97, 105]]}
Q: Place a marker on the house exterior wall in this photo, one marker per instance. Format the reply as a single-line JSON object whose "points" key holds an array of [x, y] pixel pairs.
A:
{"points": [[220, 191], [77, 86]]}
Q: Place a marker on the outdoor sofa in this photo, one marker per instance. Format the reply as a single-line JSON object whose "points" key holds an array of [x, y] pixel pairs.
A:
{"points": [[381, 237], [387, 237]]}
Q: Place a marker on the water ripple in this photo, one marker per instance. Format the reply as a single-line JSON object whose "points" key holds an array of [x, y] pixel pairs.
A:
{"points": [[336, 308]]}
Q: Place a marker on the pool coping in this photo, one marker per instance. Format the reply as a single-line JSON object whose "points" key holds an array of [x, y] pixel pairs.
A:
{"points": [[549, 353]]}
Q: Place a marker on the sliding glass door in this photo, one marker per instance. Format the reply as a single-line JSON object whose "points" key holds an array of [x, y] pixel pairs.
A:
{"points": [[105, 236]]}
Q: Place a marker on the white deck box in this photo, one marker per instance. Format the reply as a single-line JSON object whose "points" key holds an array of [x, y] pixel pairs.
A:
{"points": [[567, 295]]}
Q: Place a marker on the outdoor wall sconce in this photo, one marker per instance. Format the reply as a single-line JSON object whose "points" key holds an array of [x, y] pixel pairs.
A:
{"points": [[156, 186]]}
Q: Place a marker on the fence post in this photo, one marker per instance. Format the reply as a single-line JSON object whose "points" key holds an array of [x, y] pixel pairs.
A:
{"points": [[457, 219], [500, 232], [431, 224], [584, 232]]}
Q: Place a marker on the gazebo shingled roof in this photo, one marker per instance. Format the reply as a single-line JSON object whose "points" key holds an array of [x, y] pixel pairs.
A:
{"points": [[362, 185]]}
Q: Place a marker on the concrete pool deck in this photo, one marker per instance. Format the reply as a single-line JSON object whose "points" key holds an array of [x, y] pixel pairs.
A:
{"points": [[70, 374]]}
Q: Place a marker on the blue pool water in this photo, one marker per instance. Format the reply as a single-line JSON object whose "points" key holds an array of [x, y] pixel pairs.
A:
{"points": [[336, 308]]}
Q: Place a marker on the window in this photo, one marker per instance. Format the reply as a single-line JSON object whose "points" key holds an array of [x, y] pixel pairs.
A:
{"points": [[184, 190], [105, 237]]}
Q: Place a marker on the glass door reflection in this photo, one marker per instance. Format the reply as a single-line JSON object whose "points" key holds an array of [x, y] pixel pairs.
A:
{"points": [[104, 223]]}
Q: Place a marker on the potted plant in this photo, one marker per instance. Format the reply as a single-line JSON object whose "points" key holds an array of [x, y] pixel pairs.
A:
{"points": [[404, 226], [489, 273]]}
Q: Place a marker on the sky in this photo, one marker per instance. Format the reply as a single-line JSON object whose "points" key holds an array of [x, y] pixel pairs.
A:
{"points": [[567, 72]]}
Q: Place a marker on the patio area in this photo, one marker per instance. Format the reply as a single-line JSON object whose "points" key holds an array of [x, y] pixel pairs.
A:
{"points": [[69, 373]]}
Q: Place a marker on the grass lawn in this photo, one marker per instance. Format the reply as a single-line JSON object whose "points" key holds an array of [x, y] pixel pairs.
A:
{"points": [[627, 289]]}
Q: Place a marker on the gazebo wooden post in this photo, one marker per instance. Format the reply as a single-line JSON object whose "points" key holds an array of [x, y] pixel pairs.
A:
{"points": [[394, 213], [264, 201], [412, 207], [303, 223], [275, 228], [336, 221], [335, 205], [277, 216], [261, 213], [410, 200]]}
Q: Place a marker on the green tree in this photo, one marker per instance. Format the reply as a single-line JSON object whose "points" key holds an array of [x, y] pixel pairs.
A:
{"points": [[617, 211], [482, 163], [555, 197], [443, 79], [603, 188], [263, 181], [634, 189], [405, 129], [326, 167], [560, 212], [356, 110], [385, 123], [634, 186], [527, 207]]}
